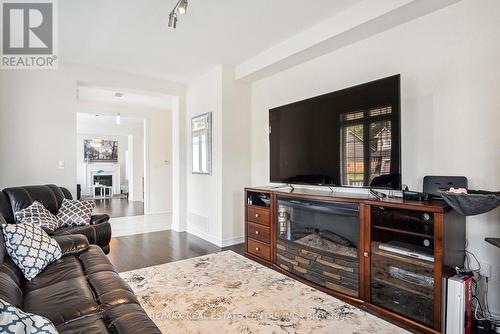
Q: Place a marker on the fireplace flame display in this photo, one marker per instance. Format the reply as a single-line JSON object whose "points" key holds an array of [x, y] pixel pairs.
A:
{"points": [[319, 242], [329, 242]]}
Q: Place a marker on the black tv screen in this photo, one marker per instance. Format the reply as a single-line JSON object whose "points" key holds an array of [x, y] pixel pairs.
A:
{"points": [[350, 138]]}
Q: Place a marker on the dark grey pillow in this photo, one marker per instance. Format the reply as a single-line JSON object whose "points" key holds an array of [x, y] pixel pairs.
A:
{"points": [[36, 213], [75, 213]]}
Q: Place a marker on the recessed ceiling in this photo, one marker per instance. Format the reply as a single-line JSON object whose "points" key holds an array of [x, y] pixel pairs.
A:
{"points": [[133, 36]]}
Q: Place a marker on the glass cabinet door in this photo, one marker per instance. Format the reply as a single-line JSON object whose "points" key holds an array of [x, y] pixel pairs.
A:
{"points": [[402, 262]]}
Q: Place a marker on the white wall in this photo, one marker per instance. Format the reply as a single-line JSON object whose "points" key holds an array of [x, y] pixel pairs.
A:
{"points": [[236, 155], [215, 202], [38, 125], [450, 70], [204, 192], [37, 128]]}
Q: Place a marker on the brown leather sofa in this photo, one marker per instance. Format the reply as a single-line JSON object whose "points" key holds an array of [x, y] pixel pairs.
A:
{"points": [[51, 196], [79, 293]]}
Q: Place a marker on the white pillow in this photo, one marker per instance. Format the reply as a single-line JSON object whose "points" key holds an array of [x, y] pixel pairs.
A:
{"points": [[75, 213], [30, 248], [36, 213], [15, 321]]}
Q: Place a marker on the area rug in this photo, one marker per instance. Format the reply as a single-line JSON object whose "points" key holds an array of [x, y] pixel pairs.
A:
{"points": [[228, 293]]}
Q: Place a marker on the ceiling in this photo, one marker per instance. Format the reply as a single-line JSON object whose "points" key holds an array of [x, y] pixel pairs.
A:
{"points": [[126, 98], [132, 36], [105, 124], [108, 119]]}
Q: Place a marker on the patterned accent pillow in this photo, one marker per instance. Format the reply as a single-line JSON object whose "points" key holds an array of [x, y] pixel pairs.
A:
{"points": [[15, 321], [30, 248], [75, 213], [36, 213]]}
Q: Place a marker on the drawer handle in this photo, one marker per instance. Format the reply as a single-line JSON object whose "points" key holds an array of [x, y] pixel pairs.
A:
{"points": [[257, 215], [257, 249], [257, 232]]}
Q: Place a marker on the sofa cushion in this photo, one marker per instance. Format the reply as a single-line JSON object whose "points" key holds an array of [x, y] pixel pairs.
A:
{"points": [[66, 268], [110, 289], [10, 282], [130, 319], [89, 324], [14, 321], [94, 261], [30, 248], [75, 213], [36, 213], [62, 301]]}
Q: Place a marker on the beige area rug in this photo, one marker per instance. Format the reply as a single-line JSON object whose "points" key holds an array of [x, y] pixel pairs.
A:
{"points": [[228, 293]]}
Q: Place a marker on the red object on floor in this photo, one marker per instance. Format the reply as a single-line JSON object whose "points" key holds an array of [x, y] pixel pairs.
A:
{"points": [[468, 304]]}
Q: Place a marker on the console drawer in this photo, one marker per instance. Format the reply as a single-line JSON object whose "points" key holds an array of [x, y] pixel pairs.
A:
{"points": [[259, 216], [259, 249], [259, 232]]}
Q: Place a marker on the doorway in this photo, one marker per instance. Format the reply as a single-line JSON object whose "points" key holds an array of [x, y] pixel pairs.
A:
{"points": [[111, 158], [144, 198]]}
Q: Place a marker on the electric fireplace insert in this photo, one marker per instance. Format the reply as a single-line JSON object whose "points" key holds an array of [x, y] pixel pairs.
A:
{"points": [[319, 241]]}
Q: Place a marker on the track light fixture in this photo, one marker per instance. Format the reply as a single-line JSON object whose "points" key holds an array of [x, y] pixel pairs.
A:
{"points": [[181, 9], [172, 20]]}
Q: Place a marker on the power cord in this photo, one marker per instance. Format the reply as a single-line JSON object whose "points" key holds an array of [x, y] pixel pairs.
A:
{"points": [[481, 312]]}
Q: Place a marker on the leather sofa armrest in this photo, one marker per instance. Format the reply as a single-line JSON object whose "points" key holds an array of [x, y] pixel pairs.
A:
{"points": [[72, 244], [97, 219]]}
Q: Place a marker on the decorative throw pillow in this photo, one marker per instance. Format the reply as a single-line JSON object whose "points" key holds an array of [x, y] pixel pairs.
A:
{"points": [[36, 213], [15, 321], [75, 213], [30, 248]]}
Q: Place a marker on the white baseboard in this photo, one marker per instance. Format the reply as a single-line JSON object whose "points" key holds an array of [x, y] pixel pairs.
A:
{"points": [[233, 241], [158, 213], [204, 235]]}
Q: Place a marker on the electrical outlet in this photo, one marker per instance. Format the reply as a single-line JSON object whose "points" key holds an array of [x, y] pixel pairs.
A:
{"points": [[485, 269]]}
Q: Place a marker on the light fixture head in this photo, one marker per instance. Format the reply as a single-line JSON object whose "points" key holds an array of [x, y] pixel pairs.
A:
{"points": [[118, 119], [172, 20], [182, 6]]}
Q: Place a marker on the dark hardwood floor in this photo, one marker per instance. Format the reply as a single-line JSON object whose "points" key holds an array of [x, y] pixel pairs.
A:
{"points": [[145, 250], [119, 207]]}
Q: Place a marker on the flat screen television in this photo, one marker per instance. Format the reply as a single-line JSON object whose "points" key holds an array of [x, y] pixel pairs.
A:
{"points": [[348, 138]]}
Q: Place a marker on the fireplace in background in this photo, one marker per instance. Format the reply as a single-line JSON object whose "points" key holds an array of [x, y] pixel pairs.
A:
{"points": [[319, 241], [105, 180]]}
